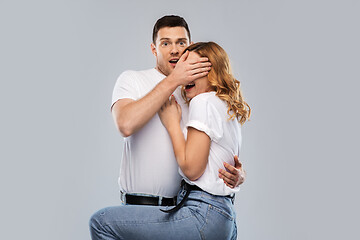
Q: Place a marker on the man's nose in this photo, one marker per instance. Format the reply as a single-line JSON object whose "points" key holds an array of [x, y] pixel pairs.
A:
{"points": [[174, 49]]}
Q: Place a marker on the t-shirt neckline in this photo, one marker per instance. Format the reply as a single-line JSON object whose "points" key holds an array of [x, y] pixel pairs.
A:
{"points": [[159, 73]]}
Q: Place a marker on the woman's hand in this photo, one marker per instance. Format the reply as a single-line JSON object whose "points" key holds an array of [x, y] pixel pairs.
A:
{"points": [[170, 113]]}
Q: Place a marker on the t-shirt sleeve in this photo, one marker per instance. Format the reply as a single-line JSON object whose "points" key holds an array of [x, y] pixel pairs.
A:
{"points": [[125, 87], [204, 117]]}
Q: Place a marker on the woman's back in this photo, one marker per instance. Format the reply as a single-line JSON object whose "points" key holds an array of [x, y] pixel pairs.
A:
{"points": [[208, 113]]}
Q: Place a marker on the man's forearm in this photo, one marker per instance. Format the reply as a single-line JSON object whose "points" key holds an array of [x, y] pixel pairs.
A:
{"points": [[134, 115]]}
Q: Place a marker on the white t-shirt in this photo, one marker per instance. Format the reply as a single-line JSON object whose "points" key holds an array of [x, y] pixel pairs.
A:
{"points": [[148, 163], [208, 113]]}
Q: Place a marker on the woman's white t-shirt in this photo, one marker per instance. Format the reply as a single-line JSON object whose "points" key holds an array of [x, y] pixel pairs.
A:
{"points": [[208, 113]]}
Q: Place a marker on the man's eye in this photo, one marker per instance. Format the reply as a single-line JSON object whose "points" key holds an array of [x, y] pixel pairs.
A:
{"points": [[165, 44], [182, 43]]}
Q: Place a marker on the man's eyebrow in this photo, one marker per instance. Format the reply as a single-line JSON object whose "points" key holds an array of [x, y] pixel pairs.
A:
{"points": [[182, 39], [179, 39]]}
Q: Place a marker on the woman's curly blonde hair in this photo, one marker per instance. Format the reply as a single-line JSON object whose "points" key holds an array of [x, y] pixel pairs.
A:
{"points": [[222, 80]]}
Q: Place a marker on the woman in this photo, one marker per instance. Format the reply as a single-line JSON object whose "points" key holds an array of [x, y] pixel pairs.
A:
{"points": [[216, 107], [204, 209]]}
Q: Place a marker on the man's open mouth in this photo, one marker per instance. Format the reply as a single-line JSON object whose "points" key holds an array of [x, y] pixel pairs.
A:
{"points": [[174, 61]]}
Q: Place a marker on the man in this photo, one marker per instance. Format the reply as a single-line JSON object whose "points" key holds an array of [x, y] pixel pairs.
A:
{"points": [[149, 172]]}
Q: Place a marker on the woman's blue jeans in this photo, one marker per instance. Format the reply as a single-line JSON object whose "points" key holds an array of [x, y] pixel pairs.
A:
{"points": [[203, 216]]}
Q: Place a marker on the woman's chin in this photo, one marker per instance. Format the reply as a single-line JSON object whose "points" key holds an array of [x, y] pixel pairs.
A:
{"points": [[189, 96], [192, 95]]}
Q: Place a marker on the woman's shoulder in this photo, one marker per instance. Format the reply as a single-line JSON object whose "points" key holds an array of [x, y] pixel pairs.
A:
{"points": [[209, 101], [204, 98], [209, 98]]}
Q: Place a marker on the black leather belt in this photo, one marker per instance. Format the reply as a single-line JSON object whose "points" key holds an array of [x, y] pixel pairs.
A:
{"points": [[132, 199], [187, 187]]}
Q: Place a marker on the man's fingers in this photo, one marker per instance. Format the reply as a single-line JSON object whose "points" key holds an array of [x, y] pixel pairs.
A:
{"points": [[200, 65], [198, 60], [197, 75], [230, 177], [234, 175], [184, 56], [230, 186], [228, 181], [230, 168], [237, 162], [200, 70]]}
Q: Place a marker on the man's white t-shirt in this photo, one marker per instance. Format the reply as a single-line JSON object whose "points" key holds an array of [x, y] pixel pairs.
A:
{"points": [[148, 163], [208, 113]]}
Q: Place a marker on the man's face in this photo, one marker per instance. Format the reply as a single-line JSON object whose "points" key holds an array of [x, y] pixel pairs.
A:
{"points": [[170, 44]]}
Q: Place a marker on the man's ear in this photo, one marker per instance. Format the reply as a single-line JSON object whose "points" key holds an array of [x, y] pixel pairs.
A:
{"points": [[153, 49]]}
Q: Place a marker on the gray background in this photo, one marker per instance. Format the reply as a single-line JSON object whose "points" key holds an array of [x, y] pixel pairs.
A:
{"points": [[298, 62]]}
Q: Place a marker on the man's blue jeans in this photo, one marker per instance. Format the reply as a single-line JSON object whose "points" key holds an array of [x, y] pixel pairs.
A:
{"points": [[203, 216]]}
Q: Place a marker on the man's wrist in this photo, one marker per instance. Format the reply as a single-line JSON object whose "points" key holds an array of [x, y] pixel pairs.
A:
{"points": [[171, 82]]}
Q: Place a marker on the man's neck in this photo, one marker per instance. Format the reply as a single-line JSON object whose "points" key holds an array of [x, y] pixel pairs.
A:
{"points": [[159, 70]]}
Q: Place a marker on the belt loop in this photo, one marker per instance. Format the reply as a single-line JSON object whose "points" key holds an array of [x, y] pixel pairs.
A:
{"points": [[122, 197], [160, 200]]}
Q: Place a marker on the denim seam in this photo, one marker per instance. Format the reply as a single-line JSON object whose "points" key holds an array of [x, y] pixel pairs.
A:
{"points": [[110, 231], [206, 221], [144, 222], [234, 237]]}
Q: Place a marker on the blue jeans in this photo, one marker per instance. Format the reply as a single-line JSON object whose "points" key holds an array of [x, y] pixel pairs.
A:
{"points": [[203, 216]]}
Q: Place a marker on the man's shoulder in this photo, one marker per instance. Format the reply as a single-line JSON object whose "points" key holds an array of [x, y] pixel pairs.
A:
{"points": [[130, 73], [146, 72]]}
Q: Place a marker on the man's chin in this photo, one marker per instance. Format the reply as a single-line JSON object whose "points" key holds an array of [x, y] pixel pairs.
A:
{"points": [[170, 70]]}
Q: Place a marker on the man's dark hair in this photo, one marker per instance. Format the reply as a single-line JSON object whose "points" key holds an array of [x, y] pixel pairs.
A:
{"points": [[170, 21]]}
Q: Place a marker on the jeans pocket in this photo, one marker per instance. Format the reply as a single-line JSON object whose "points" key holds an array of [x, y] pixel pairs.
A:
{"points": [[222, 212], [219, 224]]}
